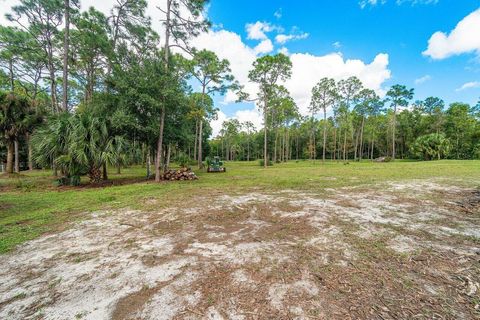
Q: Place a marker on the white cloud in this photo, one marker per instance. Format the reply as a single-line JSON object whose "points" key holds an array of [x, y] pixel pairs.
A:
{"points": [[284, 50], [365, 3], [309, 69], [266, 46], [278, 14], [465, 38], [229, 45], [252, 115], [337, 45], [423, 79], [469, 85], [283, 38], [258, 30], [415, 2], [217, 124]]}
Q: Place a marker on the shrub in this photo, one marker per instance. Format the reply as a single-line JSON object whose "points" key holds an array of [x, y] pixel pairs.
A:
{"points": [[68, 181], [262, 163], [183, 160], [78, 144], [431, 146], [476, 151]]}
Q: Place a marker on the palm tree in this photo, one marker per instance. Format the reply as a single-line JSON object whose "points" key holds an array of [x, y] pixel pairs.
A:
{"points": [[51, 142], [78, 144], [14, 121]]}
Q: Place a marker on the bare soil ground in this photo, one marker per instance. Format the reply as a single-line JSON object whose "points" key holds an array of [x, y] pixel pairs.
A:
{"points": [[396, 251]]}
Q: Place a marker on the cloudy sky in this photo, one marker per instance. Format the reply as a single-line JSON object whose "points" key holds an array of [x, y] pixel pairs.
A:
{"points": [[430, 45]]}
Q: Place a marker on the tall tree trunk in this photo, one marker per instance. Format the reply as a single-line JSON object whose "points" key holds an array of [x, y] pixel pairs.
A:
{"points": [[12, 147], [10, 155], [324, 134], [394, 129], [53, 89], [361, 138], [281, 151], [313, 148], [345, 146], [281, 138], [148, 162], [310, 146], [339, 145], [297, 152], [196, 141], [355, 152], [287, 145], [65, 54], [373, 146], [265, 141], [200, 147], [12, 78], [158, 160], [275, 147], [105, 172], [169, 152], [290, 146], [368, 150], [30, 152], [17, 156], [334, 155], [223, 142], [200, 133]]}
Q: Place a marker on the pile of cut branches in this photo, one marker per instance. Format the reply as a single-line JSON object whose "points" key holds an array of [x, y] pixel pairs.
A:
{"points": [[181, 174]]}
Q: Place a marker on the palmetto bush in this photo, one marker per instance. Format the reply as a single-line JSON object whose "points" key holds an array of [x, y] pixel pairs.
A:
{"points": [[78, 144], [16, 118], [431, 146], [183, 160]]}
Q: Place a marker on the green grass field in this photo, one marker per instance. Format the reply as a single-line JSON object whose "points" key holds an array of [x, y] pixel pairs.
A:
{"points": [[30, 205]]}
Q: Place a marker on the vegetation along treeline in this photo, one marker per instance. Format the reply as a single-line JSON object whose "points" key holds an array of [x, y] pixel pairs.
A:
{"points": [[81, 92]]}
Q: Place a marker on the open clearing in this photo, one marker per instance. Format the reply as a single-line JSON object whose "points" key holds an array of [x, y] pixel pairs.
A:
{"points": [[394, 249]]}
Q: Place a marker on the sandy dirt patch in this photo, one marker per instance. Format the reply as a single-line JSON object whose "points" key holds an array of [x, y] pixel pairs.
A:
{"points": [[400, 250]]}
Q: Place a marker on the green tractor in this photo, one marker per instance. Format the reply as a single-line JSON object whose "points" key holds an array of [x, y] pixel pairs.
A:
{"points": [[215, 165]]}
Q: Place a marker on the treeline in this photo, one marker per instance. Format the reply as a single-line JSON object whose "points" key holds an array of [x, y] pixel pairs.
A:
{"points": [[348, 122], [81, 91]]}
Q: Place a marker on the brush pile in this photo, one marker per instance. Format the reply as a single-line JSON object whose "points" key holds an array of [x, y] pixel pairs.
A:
{"points": [[181, 174]]}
